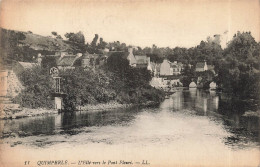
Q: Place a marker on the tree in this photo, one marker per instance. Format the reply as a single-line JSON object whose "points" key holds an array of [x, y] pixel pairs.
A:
{"points": [[94, 41], [9, 44], [59, 37], [238, 72], [77, 38], [54, 33], [102, 44], [77, 41], [118, 63]]}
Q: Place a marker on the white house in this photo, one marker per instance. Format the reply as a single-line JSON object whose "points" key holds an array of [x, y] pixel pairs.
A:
{"points": [[200, 67], [138, 61], [165, 68]]}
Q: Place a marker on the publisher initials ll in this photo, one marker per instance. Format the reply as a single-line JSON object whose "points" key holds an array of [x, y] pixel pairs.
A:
{"points": [[26, 162]]}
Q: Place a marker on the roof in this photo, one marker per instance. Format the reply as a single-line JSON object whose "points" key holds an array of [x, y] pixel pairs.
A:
{"points": [[171, 77], [174, 66], [27, 65], [87, 55], [192, 84], [67, 60], [141, 59], [200, 65]]}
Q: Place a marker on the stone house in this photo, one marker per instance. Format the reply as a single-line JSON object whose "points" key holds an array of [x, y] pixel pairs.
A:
{"points": [[66, 61], [169, 68], [19, 66], [9, 78], [155, 67], [138, 61], [165, 68], [201, 66]]}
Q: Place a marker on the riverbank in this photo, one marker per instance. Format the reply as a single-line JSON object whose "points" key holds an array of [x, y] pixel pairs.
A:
{"points": [[28, 112]]}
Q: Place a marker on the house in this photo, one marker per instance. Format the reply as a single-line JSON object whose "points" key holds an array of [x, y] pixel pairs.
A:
{"points": [[165, 68], [155, 68], [131, 58], [169, 68], [10, 84], [142, 61], [138, 61], [66, 61], [176, 68], [211, 68], [201, 66], [3, 82], [180, 67], [167, 72], [87, 60], [156, 82], [10, 88], [174, 81], [19, 67]]}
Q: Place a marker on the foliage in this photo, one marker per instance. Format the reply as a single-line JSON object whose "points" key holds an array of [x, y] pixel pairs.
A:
{"points": [[102, 44], [238, 72], [54, 33], [48, 62], [94, 41], [131, 84], [187, 75], [9, 44], [75, 37], [237, 69], [77, 41], [85, 87], [38, 88]]}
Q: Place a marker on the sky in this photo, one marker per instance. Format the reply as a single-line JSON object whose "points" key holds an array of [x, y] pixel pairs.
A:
{"points": [[172, 23]]}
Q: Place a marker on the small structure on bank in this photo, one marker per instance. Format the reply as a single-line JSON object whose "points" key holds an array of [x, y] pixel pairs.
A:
{"points": [[57, 94], [193, 85], [213, 85]]}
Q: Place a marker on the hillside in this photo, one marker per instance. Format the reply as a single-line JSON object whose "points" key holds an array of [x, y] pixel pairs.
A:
{"points": [[38, 42], [22, 46]]}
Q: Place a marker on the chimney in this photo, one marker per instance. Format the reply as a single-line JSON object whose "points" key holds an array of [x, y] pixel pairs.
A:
{"points": [[205, 66], [130, 50]]}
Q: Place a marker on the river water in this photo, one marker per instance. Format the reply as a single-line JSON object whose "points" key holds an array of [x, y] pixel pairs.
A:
{"points": [[191, 128]]}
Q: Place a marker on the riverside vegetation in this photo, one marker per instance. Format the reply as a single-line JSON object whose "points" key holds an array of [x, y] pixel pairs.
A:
{"points": [[114, 82], [236, 69]]}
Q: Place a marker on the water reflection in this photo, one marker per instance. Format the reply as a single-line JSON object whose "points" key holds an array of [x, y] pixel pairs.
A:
{"points": [[230, 113], [104, 118], [184, 110]]}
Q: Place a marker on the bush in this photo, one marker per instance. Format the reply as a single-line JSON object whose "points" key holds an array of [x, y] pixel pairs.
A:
{"points": [[38, 88]]}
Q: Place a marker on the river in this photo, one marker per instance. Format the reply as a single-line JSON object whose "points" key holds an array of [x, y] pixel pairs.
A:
{"points": [[191, 128]]}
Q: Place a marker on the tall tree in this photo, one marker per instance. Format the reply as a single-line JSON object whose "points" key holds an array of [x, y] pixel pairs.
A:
{"points": [[94, 41]]}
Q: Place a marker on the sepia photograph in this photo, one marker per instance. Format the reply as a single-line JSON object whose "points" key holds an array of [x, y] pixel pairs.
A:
{"points": [[129, 83]]}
